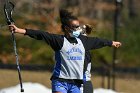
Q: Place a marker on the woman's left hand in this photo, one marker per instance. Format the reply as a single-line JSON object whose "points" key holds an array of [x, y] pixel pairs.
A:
{"points": [[116, 44]]}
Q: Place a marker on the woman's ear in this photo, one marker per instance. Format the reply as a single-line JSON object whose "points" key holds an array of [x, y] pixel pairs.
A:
{"points": [[64, 28]]}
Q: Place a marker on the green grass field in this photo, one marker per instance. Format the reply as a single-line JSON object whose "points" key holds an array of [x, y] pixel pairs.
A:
{"points": [[10, 78]]}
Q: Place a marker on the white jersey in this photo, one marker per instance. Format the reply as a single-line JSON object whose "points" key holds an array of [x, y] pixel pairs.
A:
{"points": [[70, 60]]}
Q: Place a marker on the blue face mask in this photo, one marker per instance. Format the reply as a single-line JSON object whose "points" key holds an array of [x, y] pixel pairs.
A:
{"points": [[76, 33]]}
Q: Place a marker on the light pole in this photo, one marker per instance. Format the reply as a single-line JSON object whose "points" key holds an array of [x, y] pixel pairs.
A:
{"points": [[118, 4]]}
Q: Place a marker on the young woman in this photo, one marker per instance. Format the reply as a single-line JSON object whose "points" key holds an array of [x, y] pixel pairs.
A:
{"points": [[69, 50]]}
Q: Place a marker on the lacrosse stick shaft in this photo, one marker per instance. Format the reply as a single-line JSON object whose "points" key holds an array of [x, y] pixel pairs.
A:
{"points": [[17, 61]]}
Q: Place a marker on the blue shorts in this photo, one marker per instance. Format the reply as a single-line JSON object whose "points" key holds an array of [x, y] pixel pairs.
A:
{"points": [[64, 87]]}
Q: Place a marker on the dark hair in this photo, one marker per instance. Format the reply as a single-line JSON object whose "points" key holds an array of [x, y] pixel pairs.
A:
{"points": [[66, 17], [89, 29]]}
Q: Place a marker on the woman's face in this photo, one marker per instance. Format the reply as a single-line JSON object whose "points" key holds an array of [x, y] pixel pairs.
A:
{"points": [[74, 24], [72, 29]]}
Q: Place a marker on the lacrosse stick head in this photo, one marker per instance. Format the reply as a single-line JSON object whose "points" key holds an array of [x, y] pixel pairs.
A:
{"points": [[8, 10]]}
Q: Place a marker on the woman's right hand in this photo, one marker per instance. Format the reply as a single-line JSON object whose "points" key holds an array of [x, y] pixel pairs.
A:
{"points": [[15, 29]]}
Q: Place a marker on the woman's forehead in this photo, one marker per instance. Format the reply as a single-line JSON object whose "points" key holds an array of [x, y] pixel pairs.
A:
{"points": [[75, 22]]}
